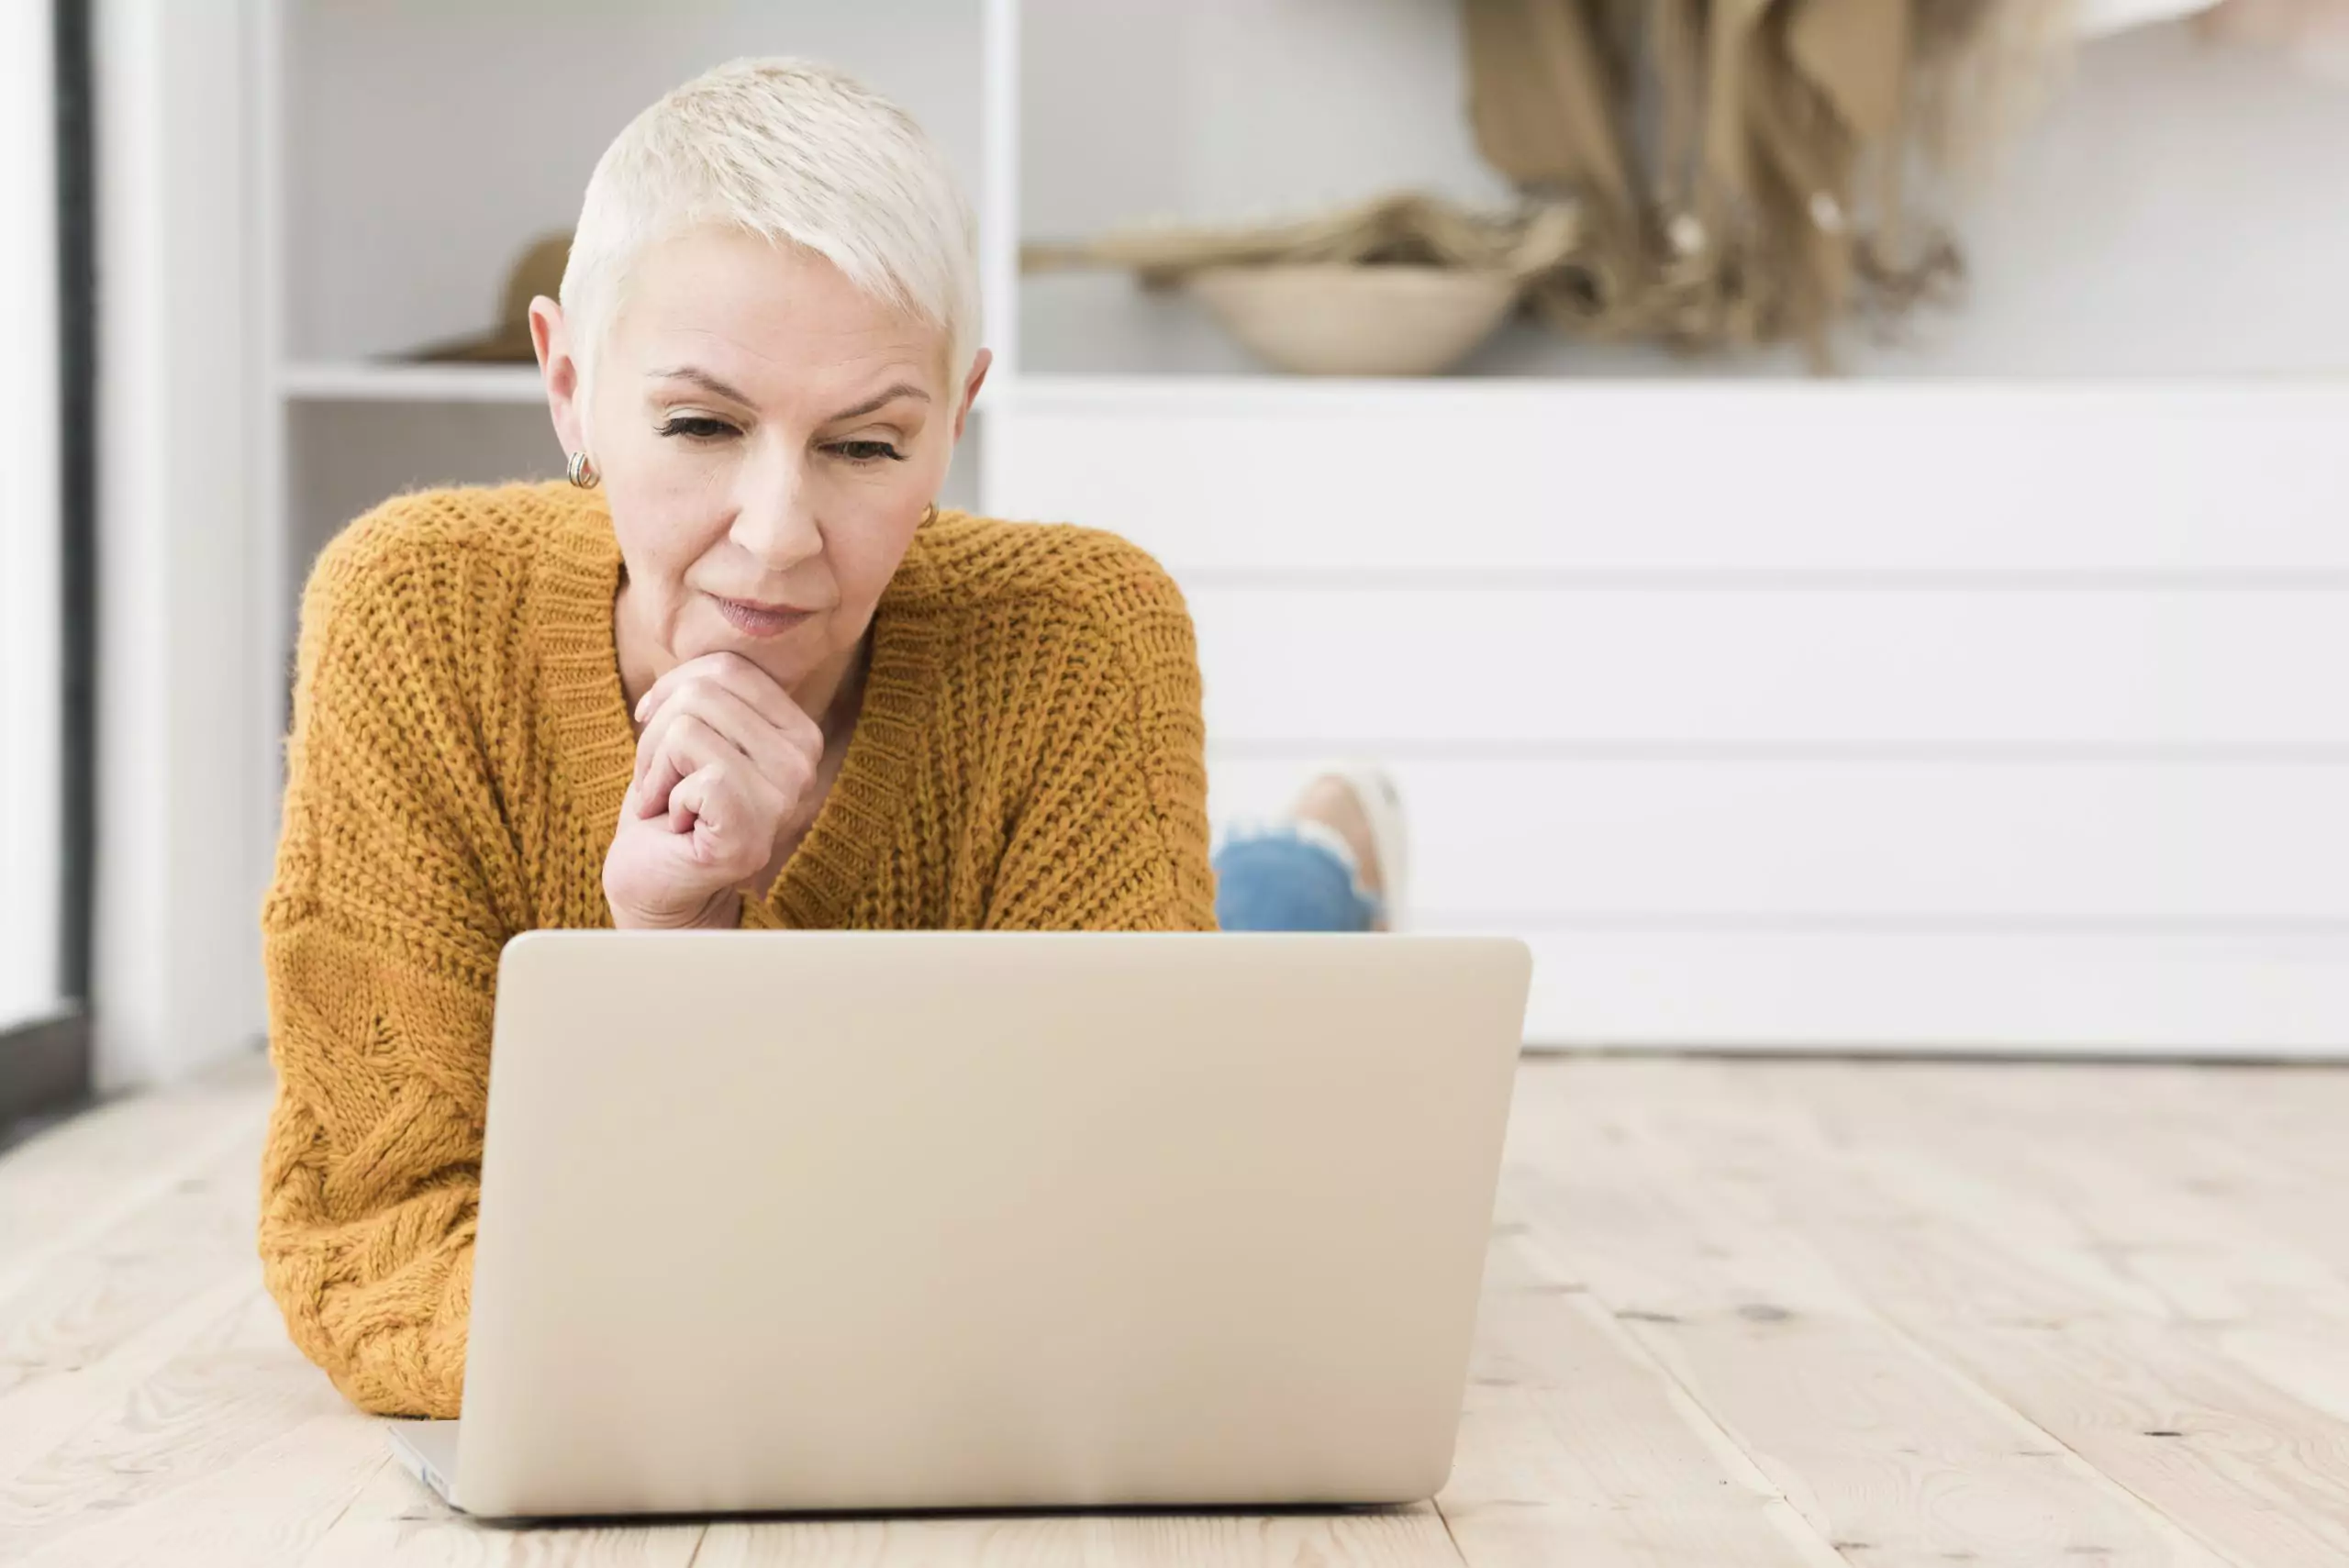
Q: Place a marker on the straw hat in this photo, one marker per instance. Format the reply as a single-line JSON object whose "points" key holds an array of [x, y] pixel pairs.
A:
{"points": [[538, 271]]}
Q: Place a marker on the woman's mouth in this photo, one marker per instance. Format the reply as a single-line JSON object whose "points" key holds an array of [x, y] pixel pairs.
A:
{"points": [[752, 619]]}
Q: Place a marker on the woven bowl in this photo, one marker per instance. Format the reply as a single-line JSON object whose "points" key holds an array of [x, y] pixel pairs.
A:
{"points": [[1357, 320]]}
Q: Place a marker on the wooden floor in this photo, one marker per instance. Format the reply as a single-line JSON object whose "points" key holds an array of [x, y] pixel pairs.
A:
{"points": [[1738, 1315]]}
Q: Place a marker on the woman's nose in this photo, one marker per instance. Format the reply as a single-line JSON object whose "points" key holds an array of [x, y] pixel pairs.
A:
{"points": [[776, 520]]}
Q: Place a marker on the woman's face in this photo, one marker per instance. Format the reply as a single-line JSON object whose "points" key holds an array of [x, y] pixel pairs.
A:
{"points": [[768, 438]]}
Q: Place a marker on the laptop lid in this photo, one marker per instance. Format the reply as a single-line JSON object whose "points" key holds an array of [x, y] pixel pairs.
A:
{"points": [[834, 1220]]}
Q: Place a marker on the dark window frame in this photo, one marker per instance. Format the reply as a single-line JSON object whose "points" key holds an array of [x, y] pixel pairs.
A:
{"points": [[45, 1065]]}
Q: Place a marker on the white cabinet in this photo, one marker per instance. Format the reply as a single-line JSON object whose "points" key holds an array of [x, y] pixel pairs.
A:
{"points": [[1789, 715]]}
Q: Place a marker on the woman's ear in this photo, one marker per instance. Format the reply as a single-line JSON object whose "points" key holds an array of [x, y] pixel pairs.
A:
{"points": [[979, 363], [560, 370]]}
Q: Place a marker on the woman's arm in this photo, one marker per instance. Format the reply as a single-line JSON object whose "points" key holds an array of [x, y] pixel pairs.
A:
{"points": [[1114, 833], [380, 938]]}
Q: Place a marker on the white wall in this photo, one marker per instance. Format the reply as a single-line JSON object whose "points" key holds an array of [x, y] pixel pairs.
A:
{"points": [[30, 739], [181, 790], [2182, 211]]}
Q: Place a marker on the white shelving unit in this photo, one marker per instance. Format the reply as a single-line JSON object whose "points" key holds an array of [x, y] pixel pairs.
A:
{"points": [[1982, 700], [368, 381]]}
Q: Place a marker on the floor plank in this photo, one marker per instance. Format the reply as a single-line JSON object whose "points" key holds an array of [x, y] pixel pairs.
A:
{"points": [[1738, 1313], [129, 1362], [1891, 1457], [1403, 1538], [75, 1305], [2224, 1170], [394, 1519], [1980, 1274], [232, 1451], [66, 1188], [1574, 1448]]}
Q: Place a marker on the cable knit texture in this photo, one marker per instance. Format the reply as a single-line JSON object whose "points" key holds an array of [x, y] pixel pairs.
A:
{"points": [[1029, 757]]}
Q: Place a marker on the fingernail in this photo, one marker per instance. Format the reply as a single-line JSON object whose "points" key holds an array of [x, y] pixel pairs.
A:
{"points": [[640, 706]]}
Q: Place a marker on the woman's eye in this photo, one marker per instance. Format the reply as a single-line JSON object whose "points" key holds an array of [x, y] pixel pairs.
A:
{"points": [[868, 451], [700, 427]]}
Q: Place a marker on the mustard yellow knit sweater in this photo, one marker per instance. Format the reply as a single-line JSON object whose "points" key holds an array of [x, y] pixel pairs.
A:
{"points": [[1029, 757]]}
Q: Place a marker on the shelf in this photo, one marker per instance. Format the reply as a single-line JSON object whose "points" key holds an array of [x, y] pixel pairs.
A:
{"points": [[2155, 223], [1280, 397], [367, 381]]}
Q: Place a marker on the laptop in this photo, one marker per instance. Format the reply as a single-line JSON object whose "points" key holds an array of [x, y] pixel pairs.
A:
{"points": [[839, 1221]]}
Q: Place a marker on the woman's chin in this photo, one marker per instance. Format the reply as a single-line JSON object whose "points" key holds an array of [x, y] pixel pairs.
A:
{"points": [[788, 656]]}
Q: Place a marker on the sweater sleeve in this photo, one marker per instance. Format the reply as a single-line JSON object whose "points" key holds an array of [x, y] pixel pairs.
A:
{"points": [[381, 936], [1113, 832]]}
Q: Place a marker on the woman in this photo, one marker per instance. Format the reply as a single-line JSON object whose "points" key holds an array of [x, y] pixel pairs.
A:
{"points": [[738, 671]]}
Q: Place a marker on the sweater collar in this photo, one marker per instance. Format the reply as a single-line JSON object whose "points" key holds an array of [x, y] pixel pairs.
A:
{"points": [[594, 740]]}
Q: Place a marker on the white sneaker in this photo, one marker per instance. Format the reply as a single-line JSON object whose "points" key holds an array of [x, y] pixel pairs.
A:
{"points": [[1382, 808]]}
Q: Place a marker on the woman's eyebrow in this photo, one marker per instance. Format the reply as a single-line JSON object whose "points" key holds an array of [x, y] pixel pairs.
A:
{"points": [[727, 389], [880, 400], [704, 380]]}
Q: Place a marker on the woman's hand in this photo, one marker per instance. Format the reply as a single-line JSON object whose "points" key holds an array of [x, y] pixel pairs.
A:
{"points": [[724, 765]]}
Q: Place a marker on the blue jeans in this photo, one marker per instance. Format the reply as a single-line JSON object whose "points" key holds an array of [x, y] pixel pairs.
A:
{"points": [[1290, 877]]}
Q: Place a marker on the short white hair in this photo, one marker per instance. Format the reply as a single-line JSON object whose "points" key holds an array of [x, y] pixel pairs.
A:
{"points": [[802, 154]]}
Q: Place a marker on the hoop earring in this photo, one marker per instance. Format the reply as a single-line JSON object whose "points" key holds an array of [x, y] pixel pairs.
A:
{"points": [[581, 471], [928, 516]]}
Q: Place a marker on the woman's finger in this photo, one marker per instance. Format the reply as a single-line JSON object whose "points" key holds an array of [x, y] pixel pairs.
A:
{"points": [[686, 743], [725, 811], [787, 759], [733, 672]]}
